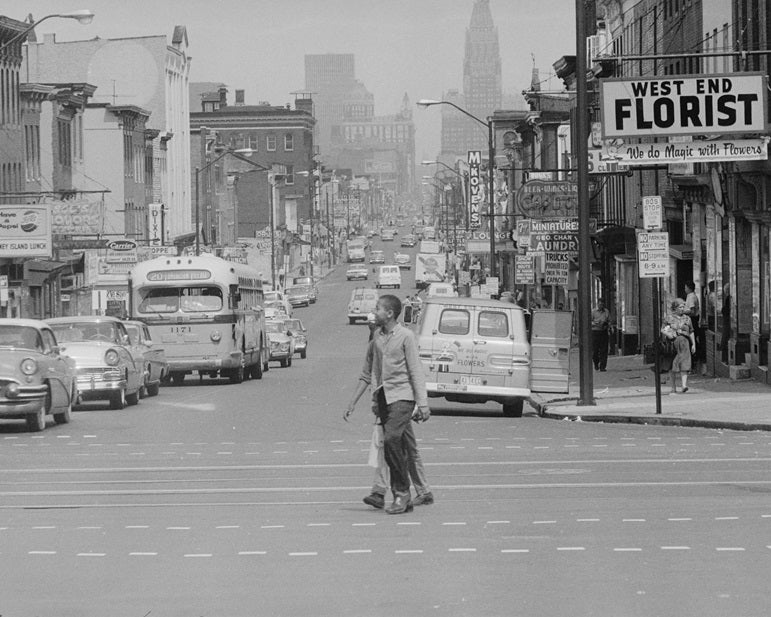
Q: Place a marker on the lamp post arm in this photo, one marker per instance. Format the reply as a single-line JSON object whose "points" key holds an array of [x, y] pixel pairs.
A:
{"points": [[461, 110], [82, 16]]}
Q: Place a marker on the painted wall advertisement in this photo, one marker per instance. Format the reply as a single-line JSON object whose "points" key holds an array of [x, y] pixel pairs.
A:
{"points": [[77, 217], [25, 231]]}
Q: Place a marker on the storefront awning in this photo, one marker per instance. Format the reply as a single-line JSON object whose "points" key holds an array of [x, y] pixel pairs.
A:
{"points": [[38, 271]]}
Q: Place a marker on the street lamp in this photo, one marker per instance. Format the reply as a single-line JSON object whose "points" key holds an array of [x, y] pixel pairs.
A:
{"points": [[491, 162], [83, 16]]}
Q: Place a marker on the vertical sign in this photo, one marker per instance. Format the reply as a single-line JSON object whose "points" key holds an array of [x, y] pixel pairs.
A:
{"points": [[3, 290], [651, 207], [653, 254], [155, 224], [475, 188]]}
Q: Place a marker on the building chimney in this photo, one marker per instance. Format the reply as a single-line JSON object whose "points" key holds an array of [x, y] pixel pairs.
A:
{"points": [[223, 96], [304, 102], [239, 98]]}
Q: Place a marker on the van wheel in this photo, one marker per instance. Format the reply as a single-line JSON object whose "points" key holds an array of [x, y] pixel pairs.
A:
{"points": [[513, 409], [351, 321]]}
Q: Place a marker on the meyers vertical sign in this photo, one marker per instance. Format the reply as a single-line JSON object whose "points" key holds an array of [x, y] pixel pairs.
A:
{"points": [[475, 188]]}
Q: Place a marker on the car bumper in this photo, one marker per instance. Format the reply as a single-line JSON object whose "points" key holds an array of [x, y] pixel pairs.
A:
{"points": [[28, 398], [475, 393], [204, 364], [280, 355]]}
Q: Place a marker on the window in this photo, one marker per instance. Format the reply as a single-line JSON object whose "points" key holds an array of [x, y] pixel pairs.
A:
{"points": [[288, 142], [253, 142], [289, 175], [270, 144], [454, 321], [493, 323]]}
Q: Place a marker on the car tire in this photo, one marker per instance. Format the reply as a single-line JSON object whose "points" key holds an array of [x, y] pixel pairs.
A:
{"points": [[153, 389], [289, 361], [177, 378], [133, 398], [351, 321], [513, 408], [237, 375], [65, 416], [256, 370], [284, 363], [303, 354], [118, 399]]}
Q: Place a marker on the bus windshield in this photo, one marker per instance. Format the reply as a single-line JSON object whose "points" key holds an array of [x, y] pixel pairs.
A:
{"points": [[194, 299]]}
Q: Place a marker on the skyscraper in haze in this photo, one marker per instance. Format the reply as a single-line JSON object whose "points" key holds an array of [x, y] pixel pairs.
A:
{"points": [[482, 89]]}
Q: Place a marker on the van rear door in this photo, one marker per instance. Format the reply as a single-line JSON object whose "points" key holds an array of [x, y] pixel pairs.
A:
{"points": [[500, 356]]}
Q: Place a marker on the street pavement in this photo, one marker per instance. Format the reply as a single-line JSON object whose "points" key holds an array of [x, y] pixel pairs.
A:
{"points": [[626, 393]]}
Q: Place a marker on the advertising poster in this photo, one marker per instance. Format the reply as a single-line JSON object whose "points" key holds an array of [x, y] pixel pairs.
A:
{"points": [[25, 231]]}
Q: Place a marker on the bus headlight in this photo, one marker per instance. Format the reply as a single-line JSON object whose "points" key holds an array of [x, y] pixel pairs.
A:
{"points": [[111, 357], [28, 366], [215, 336]]}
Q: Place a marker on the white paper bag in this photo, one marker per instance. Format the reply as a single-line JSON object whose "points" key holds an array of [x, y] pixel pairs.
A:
{"points": [[376, 447]]}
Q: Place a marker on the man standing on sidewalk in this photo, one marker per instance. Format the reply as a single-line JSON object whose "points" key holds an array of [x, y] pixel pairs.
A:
{"points": [[392, 363], [600, 325]]}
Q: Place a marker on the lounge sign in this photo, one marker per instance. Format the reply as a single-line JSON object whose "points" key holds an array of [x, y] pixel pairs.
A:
{"points": [[683, 105]]}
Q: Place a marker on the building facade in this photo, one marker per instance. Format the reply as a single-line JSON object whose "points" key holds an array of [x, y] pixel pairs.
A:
{"points": [[149, 73]]}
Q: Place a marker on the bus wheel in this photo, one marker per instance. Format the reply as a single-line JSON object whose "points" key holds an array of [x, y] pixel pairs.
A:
{"points": [[237, 375], [256, 369]]}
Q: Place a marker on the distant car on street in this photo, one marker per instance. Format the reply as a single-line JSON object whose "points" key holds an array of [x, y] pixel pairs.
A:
{"points": [[300, 335], [403, 261], [299, 295], [377, 257], [281, 343], [36, 379], [408, 240], [310, 281], [363, 301], [277, 297], [357, 272], [156, 369]]}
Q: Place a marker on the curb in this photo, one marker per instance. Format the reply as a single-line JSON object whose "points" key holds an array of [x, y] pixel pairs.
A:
{"points": [[646, 420]]}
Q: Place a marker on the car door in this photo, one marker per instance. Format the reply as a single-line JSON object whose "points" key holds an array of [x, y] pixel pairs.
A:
{"points": [[499, 358], [152, 354], [132, 356]]}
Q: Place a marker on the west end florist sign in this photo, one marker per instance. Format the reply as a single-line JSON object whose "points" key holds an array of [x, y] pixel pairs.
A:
{"points": [[691, 152], [683, 105], [474, 160]]}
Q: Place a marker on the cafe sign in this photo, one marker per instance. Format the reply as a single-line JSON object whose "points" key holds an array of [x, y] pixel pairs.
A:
{"points": [[541, 199]]}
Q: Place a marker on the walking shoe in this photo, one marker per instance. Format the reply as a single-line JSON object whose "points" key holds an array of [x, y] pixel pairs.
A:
{"points": [[400, 505], [376, 500], [426, 499]]}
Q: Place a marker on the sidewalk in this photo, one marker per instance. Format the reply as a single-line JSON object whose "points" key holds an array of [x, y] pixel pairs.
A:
{"points": [[626, 392]]}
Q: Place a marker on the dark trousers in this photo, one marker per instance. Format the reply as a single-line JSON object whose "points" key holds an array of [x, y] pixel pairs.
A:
{"points": [[600, 348], [395, 419]]}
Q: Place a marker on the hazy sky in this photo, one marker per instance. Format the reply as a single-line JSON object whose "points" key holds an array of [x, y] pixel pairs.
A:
{"points": [[412, 46]]}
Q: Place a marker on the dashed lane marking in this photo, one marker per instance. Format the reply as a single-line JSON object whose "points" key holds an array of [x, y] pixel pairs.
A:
{"points": [[461, 550], [41, 552], [91, 554], [357, 551], [143, 554], [408, 551], [515, 550], [729, 548], [197, 555]]}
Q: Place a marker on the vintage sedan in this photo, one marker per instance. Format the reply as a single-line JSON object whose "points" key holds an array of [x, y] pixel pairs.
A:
{"points": [[36, 379], [274, 298], [311, 281], [402, 260], [408, 240], [300, 335], [155, 367], [357, 272], [377, 257], [299, 295], [281, 343], [106, 368]]}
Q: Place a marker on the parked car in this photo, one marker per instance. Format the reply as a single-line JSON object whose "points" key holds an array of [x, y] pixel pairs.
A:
{"points": [[156, 369], [299, 295], [408, 240], [105, 366], [362, 302], [308, 280], [357, 272], [279, 298], [36, 379], [281, 343], [300, 335], [403, 261], [377, 257]]}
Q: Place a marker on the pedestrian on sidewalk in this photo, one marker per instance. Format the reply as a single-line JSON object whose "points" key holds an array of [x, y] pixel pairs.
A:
{"points": [[392, 364], [693, 311], [600, 326], [685, 344]]}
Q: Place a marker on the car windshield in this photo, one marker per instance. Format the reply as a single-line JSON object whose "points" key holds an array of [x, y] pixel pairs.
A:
{"points": [[133, 332], [298, 289], [294, 324], [185, 299], [20, 337], [77, 331], [272, 296], [275, 326]]}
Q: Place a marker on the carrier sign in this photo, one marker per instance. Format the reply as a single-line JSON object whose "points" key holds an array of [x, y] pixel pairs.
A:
{"points": [[683, 105]]}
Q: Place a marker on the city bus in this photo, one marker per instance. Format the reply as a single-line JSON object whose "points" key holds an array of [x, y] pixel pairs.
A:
{"points": [[206, 313]]}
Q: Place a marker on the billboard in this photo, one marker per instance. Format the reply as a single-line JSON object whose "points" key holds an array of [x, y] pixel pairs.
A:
{"points": [[476, 190], [683, 105], [25, 231]]}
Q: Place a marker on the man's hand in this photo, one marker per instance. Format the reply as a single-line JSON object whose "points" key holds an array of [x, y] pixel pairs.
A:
{"points": [[421, 414], [348, 412]]}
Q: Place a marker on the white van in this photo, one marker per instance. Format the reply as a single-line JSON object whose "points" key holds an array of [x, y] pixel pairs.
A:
{"points": [[475, 350], [389, 276]]}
